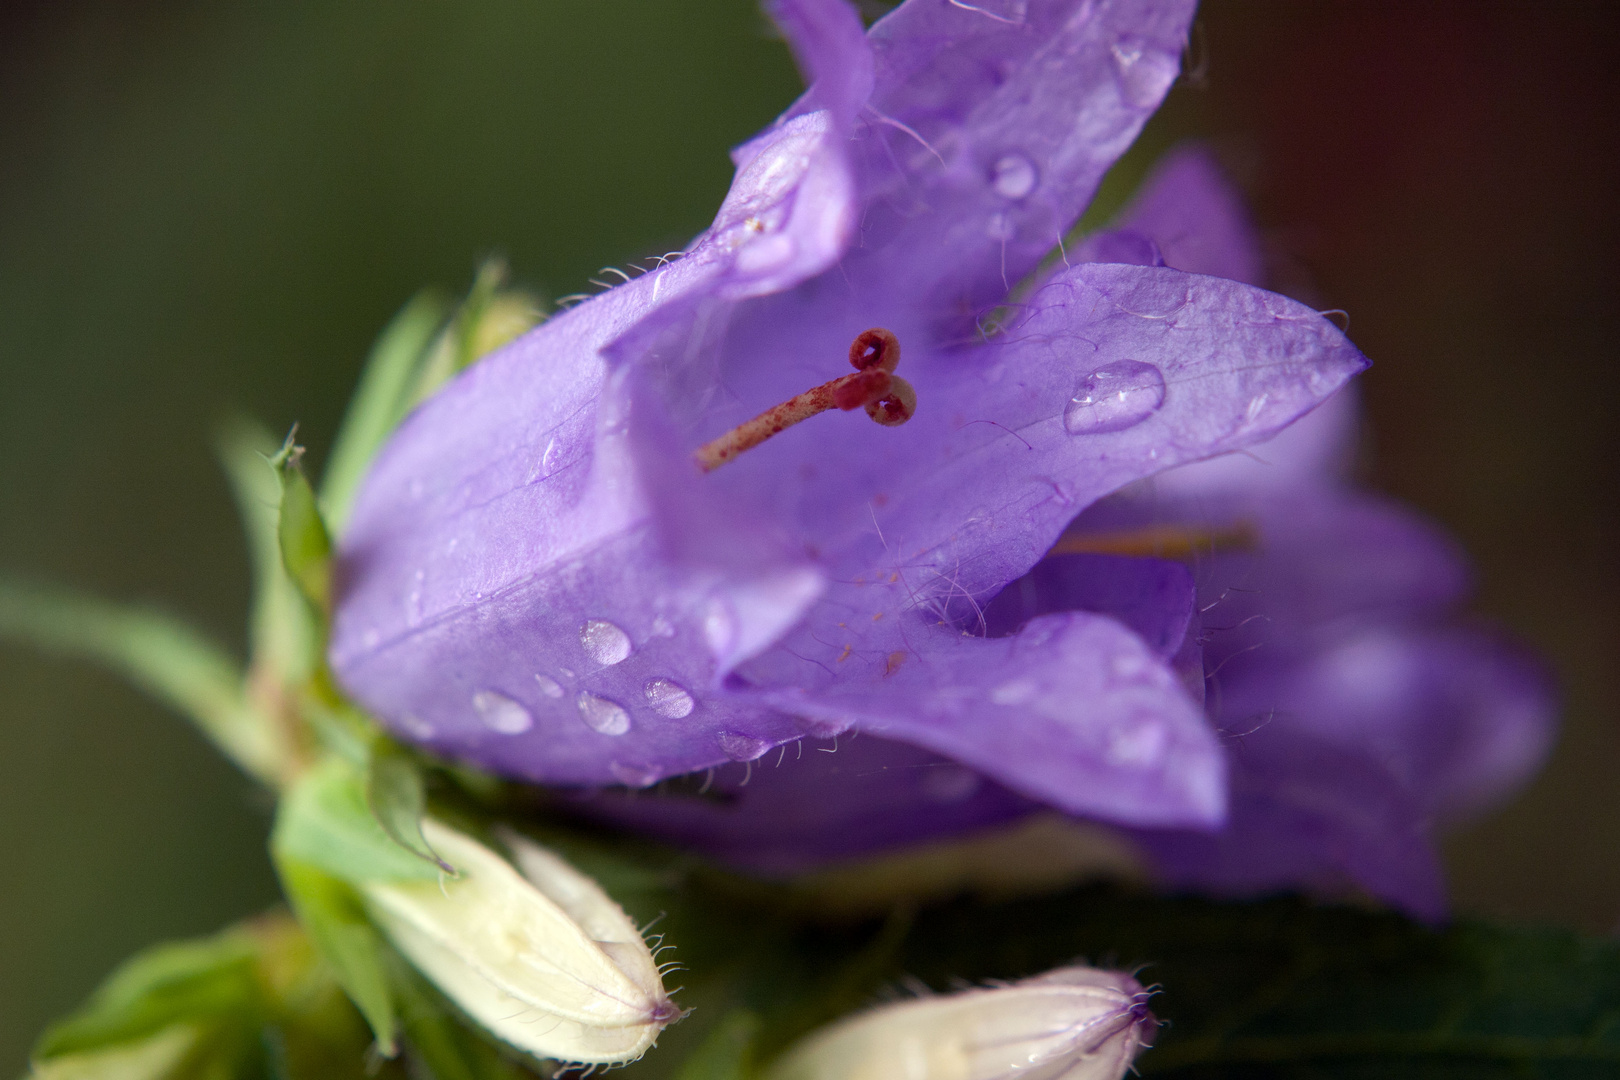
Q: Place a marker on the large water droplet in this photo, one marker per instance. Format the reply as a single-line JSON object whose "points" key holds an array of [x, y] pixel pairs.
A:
{"points": [[668, 698], [740, 747], [1114, 397], [550, 460], [501, 714], [1013, 176], [600, 714], [1145, 73], [604, 642], [548, 686]]}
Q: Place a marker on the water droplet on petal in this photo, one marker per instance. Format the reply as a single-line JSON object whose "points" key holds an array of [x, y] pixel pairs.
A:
{"points": [[668, 698], [548, 686], [600, 714], [636, 776], [1013, 176], [501, 714], [1114, 397], [604, 642], [1139, 742], [948, 784], [550, 459], [1145, 73], [739, 747]]}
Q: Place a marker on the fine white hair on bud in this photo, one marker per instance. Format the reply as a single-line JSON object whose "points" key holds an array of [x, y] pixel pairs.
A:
{"points": [[544, 959], [1075, 1023]]}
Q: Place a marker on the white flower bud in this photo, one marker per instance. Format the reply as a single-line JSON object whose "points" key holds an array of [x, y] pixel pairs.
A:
{"points": [[1074, 1023], [549, 963]]}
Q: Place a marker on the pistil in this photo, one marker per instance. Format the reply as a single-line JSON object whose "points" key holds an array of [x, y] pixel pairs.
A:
{"points": [[885, 396]]}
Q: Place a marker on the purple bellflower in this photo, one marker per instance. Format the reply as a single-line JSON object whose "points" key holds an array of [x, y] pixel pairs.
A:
{"points": [[1357, 713], [538, 578]]}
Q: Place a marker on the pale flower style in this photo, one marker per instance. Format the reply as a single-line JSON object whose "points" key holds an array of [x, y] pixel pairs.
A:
{"points": [[1075, 1023], [538, 579], [544, 958]]}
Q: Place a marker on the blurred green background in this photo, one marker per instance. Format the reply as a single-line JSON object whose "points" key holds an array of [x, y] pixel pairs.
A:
{"points": [[207, 207]]}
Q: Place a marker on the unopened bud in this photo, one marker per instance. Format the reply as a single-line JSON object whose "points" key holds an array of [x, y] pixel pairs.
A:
{"points": [[1074, 1023], [547, 962]]}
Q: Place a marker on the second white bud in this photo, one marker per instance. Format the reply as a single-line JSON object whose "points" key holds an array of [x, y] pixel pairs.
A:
{"points": [[1076, 1023]]}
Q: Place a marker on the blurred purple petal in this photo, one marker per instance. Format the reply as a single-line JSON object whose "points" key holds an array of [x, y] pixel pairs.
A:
{"points": [[1195, 217], [1308, 814]]}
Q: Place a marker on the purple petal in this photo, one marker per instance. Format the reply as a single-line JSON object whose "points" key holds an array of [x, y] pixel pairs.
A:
{"points": [[1155, 598], [1196, 218], [1308, 813], [1321, 563], [989, 129], [833, 54], [1109, 374], [1459, 716], [1119, 246], [814, 803], [1074, 711]]}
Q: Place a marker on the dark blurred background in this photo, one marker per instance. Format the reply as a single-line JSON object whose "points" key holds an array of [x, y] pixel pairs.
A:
{"points": [[207, 207]]}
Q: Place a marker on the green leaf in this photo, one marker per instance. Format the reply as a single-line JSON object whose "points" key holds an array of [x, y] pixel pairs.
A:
{"points": [[159, 654], [380, 401], [395, 795], [334, 917], [324, 821], [160, 1056], [286, 635], [178, 983], [306, 545]]}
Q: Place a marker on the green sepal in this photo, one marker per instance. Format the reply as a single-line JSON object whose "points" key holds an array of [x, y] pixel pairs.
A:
{"points": [[306, 545], [324, 821], [380, 402], [156, 652], [334, 917], [285, 632], [489, 317], [397, 798]]}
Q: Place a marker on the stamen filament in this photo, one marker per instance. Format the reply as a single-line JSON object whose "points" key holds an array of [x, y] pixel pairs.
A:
{"points": [[887, 398]]}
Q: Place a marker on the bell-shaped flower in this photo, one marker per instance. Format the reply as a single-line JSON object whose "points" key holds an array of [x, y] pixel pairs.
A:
{"points": [[1316, 624], [1074, 1023], [544, 958], [610, 553]]}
